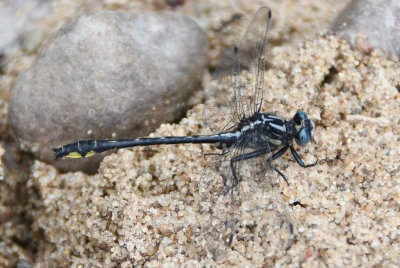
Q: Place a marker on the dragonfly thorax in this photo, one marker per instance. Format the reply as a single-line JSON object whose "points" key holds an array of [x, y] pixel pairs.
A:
{"points": [[262, 128]]}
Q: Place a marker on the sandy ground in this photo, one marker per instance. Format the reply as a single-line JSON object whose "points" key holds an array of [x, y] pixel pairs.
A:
{"points": [[159, 206]]}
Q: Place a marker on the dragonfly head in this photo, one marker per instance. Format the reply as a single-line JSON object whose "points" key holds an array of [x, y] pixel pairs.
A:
{"points": [[305, 128]]}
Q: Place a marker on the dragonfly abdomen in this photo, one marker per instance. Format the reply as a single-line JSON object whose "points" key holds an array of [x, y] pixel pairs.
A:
{"points": [[88, 148]]}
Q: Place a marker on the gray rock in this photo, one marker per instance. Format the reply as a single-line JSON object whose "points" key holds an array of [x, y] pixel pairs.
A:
{"points": [[107, 75], [368, 24]]}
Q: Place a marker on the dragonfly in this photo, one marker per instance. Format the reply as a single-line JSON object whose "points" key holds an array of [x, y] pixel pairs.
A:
{"points": [[240, 130]]}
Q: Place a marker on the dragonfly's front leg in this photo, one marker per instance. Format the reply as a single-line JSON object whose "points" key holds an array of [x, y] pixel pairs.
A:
{"points": [[298, 159]]}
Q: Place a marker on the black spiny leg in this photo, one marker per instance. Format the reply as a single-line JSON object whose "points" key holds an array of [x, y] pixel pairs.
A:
{"points": [[298, 159], [275, 156]]}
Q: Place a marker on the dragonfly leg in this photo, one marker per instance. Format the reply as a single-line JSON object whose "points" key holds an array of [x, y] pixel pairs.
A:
{"points": [[275, 156], [298, 159]]}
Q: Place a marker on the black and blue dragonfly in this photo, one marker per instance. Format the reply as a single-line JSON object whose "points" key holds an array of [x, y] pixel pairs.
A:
{"points": [[249, 140]]}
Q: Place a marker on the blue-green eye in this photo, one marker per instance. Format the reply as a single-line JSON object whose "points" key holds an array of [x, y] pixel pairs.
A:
{"points": [[299, 117], [303, 137]]}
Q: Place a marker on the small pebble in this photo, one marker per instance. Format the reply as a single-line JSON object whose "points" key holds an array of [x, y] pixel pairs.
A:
{"points": [[32, 40]]}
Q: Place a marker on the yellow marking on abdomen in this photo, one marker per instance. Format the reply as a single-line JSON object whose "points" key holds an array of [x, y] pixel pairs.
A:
{"points": [[74, 155], [89, 154]]}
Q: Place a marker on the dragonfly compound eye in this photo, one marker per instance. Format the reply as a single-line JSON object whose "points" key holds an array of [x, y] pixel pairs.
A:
{"points": [[303, 137], [299, 117]]}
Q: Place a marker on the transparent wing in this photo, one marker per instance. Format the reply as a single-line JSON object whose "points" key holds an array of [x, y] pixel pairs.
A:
{"points": [[218, 207], [219, 112], [254, 211], [252, 58], [215, 207], [238, 81], [265, 224]]}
